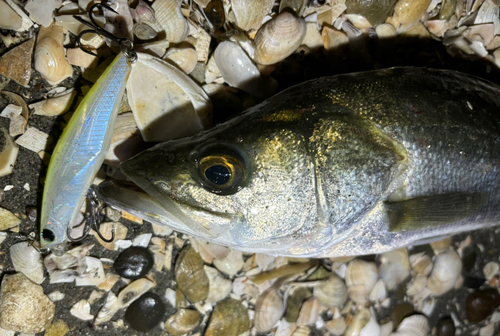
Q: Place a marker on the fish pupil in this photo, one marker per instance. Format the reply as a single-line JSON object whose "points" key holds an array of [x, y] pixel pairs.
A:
{"points": [[218, 174]]}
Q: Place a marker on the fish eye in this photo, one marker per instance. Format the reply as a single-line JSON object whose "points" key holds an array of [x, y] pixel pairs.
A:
{"points": [[221, 174]]}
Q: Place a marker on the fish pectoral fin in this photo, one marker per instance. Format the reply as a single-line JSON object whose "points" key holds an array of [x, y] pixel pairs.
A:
{"points": [[432, 211]]}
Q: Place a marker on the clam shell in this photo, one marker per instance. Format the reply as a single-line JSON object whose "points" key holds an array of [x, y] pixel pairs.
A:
{"points": [[490, 270], [296, 298], [49, 55], [27, 260], [279, 38], [415, 325], [375, 11], [182, 322], [359, 321], [185, 58], [394, 268], [231, 263], [250, 14], [309, 312], [361, 276], [169, 16], [332, 293], [54, 106], [190, 275], [407, 13], [229, 318], [268, 309], [446, 271], [219, 287]]}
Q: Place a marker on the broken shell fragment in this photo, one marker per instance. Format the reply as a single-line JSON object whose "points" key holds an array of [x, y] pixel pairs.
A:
{"points": [[250, 14], [169, 16], [279, 38], [81, 310], [8, 157], [309, 312], [190, 275], [9, 19], [359, 321], [407, 13], [182, 322], [332, 293], [41, 11], [229, 318], [446, 271], [268, 309], [219, 287], [16, 63], [27, 260], [49, 55], [8, 219], [56, 105]]}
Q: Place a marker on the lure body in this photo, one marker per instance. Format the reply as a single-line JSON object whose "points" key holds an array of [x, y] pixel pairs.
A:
{"points": [[80, 152]]}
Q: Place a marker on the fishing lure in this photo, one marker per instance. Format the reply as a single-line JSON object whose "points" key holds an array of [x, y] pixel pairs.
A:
{"points": [[82, 147]]}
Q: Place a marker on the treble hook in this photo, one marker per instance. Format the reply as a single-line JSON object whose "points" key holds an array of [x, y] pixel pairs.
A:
{"points": [[92, 221], [126, 46]]}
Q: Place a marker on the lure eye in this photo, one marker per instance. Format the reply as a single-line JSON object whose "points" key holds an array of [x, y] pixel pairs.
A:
{"points": [[222, 174]]}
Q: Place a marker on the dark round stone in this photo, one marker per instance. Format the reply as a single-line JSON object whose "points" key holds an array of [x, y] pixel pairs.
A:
{"points": [[145, 312], [134, 262], [481, 304], [474, 282], [445, 327]]}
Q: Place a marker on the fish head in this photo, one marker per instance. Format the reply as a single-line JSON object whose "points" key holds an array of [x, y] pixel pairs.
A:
{"points": [[248, 185]]}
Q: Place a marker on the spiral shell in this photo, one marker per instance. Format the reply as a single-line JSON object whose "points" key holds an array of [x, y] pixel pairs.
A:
{"points": [[49, 55], [331, 293], [249, 14], [279, 38], [169, 16], [268, 309]]}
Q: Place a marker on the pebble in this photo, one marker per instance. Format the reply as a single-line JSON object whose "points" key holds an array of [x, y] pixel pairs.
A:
{"points": [[445, 327], [134, 262], [23, 305], [481, 304], [145, 312], [58, 328]]}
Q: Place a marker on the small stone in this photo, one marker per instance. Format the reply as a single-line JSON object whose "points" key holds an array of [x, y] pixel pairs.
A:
{"points": [[182, 322], [400, 312], [145, 312], [58, 328], [445, 327], [134, 262], [16, 63], [23, 305], [32, 213], [481, 304]]}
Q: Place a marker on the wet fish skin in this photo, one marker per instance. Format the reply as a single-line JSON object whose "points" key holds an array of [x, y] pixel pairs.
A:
{"points": [[345, 165]]}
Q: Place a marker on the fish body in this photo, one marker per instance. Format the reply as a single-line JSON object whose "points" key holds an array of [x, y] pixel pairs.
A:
{"points": [[345, 165], [79, 154]]}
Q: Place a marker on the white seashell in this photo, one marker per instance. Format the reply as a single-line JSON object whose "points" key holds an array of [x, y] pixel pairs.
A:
{"points": [[237, 69], [363, 275], [446, 270], [309, 312], [10, 20], [91, 273], [490, 270], [415, 325], [332, 293], [394, 268], [487, 13], [49, 55], [33, 139], [170, 295], [17, 121], [41, 11], [108, 310], [231, 264], [55, 106], [372, 328], [81, 310], [169, 16], [109, 282], [285, 328], [184, 57], [385, 31], [268, 309], [250, 14], [159, 91], [421, 264], [263, 260], [142, 240], [337, 326], [119, 21], [219, 287], [427, 306], [279, 38], [27, 260], [379, 292], [56, 296], [8, 158], [94, 296], [386, 328], [417, 285], [359, 321]]}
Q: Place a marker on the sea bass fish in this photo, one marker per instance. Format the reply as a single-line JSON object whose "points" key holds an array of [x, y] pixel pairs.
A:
{"points": [[345, 165]]}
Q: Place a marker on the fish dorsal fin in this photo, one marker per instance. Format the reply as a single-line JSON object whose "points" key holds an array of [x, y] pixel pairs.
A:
{"points": [[432, 211]]}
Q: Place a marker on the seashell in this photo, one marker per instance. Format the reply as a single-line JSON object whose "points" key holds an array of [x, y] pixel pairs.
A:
{"points": [[441, 245], [282, 271], [126, 141], [166, 103], [27, 260], [334, 40], [358, 21], [332, 293], [108, 310], [78, 57], [279, 38], [485, 31], [427, 306], [33, 139], [231, 264], [394, 267], [144, 32], [417, 285], [81, 310], [237, 69], [184, 57], [414, 325], [296, 297], [190, 275], [362, 276], [91, 273], [182, 322], [92, 41], [16, 63], [56, 105], [49, 55], [298, 6], [56, 296], [374, 11], [302, 331], [379, 292], [229, 318], [309, 312], [250, 14], [169, 17], [490, 270], [219, 287], [109, 282], [312, 39], [487, 13], [372, 328], [8, 157], [269, 309], [94, 296], [337, 326], [285, 328], [359, 321], [9, 19], [7, 219], [41, 11], [385, 31], [407, 13], [446, 270], [421, 264]]}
